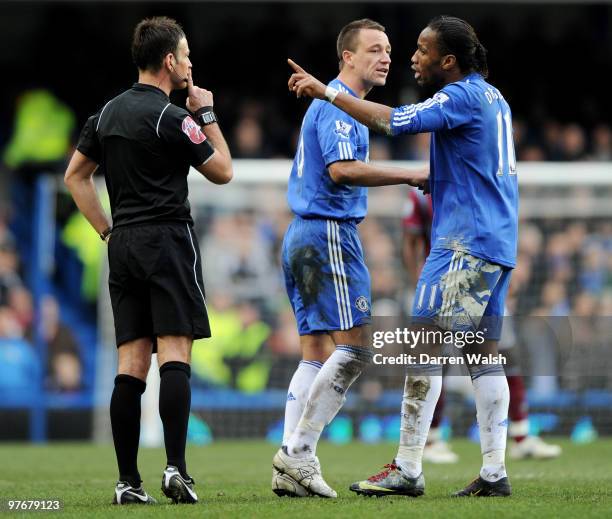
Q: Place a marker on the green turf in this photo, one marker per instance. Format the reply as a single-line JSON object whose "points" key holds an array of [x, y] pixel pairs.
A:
{"points": [[233, 480]]}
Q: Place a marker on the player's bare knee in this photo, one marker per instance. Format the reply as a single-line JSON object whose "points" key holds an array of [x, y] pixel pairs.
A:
{"points": [[134, 358], [174, 349], [137, 368], [316, 352], [358, 336], [316, 347]]}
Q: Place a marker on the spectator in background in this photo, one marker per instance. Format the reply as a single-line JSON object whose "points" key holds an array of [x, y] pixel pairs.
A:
{"points": [[248, 139], [382, 257], [531, 153], [39, 143], [6, 237], [585, 305], [573, 143], [584, 351], [64, 369], [285, 340], [601, 138], [552, 138], [19, 366], [592, 275], [554, 300], [207, 362], [9, 325], [541, 339], [234, 356], [520, 284], [239, 259], [274, 227], [526, 147], [558, 258], [530, 268], [41, 135], [9, 278], [20, 301]]}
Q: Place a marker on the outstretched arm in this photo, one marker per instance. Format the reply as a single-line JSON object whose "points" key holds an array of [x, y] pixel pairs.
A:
{"points": [[375, 116], [358, 173]]}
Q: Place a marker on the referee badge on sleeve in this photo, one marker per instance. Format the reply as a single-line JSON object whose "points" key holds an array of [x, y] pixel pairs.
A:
{"points": [[192, 130]]}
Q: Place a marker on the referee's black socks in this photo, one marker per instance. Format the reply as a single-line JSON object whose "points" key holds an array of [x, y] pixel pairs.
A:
{"points": [[125, 422], [174, 405]]}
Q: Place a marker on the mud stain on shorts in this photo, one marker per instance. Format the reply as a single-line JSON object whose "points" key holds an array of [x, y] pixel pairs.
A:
{"points": [[465, 291], [307, 268]]}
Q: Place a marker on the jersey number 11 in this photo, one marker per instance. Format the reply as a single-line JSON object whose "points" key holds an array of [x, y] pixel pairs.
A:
{"points": [[504, 135]]}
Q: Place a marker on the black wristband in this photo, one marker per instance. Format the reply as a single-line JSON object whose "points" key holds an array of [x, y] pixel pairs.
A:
{"points": [[106, 233], [205, 115]]}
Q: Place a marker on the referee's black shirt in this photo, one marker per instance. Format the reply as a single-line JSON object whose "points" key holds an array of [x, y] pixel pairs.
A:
{"points": [[144, 145]]}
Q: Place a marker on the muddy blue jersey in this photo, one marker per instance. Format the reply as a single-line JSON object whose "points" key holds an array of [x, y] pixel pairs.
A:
{"points": [[473, 168], [328, 135]]}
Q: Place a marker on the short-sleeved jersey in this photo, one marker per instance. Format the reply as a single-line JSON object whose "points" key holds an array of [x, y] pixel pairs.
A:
{"points": [[328, 135], [417, 215], [144, 145], [472, 168]]}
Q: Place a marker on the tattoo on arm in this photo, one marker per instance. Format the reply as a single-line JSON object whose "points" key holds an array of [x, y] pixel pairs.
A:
{"points": [[382, 125]]}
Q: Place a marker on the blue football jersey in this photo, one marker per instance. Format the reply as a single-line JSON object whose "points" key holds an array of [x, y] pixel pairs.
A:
{"points": [[472, 168], [327, 135]]}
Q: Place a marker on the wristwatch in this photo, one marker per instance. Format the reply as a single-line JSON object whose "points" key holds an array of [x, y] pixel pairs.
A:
{"points": [[106, 233], [206, 116]]}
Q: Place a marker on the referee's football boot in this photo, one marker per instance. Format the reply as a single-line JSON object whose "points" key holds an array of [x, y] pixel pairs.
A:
{"points": [[482, 488], [177, 488], [306, 472], [284, 485], [390, 481], [126, 494]]}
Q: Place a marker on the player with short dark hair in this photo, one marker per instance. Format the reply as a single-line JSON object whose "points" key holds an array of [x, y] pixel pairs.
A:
{"points": [[145, 146], [153, 39], [349, 37], [465, 278], [326, 278]]}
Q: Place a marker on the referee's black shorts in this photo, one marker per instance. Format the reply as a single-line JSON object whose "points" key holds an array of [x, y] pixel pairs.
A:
{"points": [[155, 282]]}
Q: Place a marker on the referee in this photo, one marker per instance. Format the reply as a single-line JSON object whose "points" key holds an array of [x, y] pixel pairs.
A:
{"points": [[144, 145]]}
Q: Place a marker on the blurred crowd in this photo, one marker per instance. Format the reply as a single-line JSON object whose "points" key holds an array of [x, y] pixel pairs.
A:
{"points": [[259, 133], [564, 269], [19, 359]]}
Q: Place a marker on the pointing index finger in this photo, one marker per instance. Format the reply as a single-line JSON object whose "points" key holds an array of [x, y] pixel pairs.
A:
{"points": [[295, 66]]}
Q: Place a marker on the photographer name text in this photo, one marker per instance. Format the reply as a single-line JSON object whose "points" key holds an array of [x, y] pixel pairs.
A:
{"points": [[425, 359]]}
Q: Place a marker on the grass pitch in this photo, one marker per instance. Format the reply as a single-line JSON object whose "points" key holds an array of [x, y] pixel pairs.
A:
{"points": [[233, 480]]}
